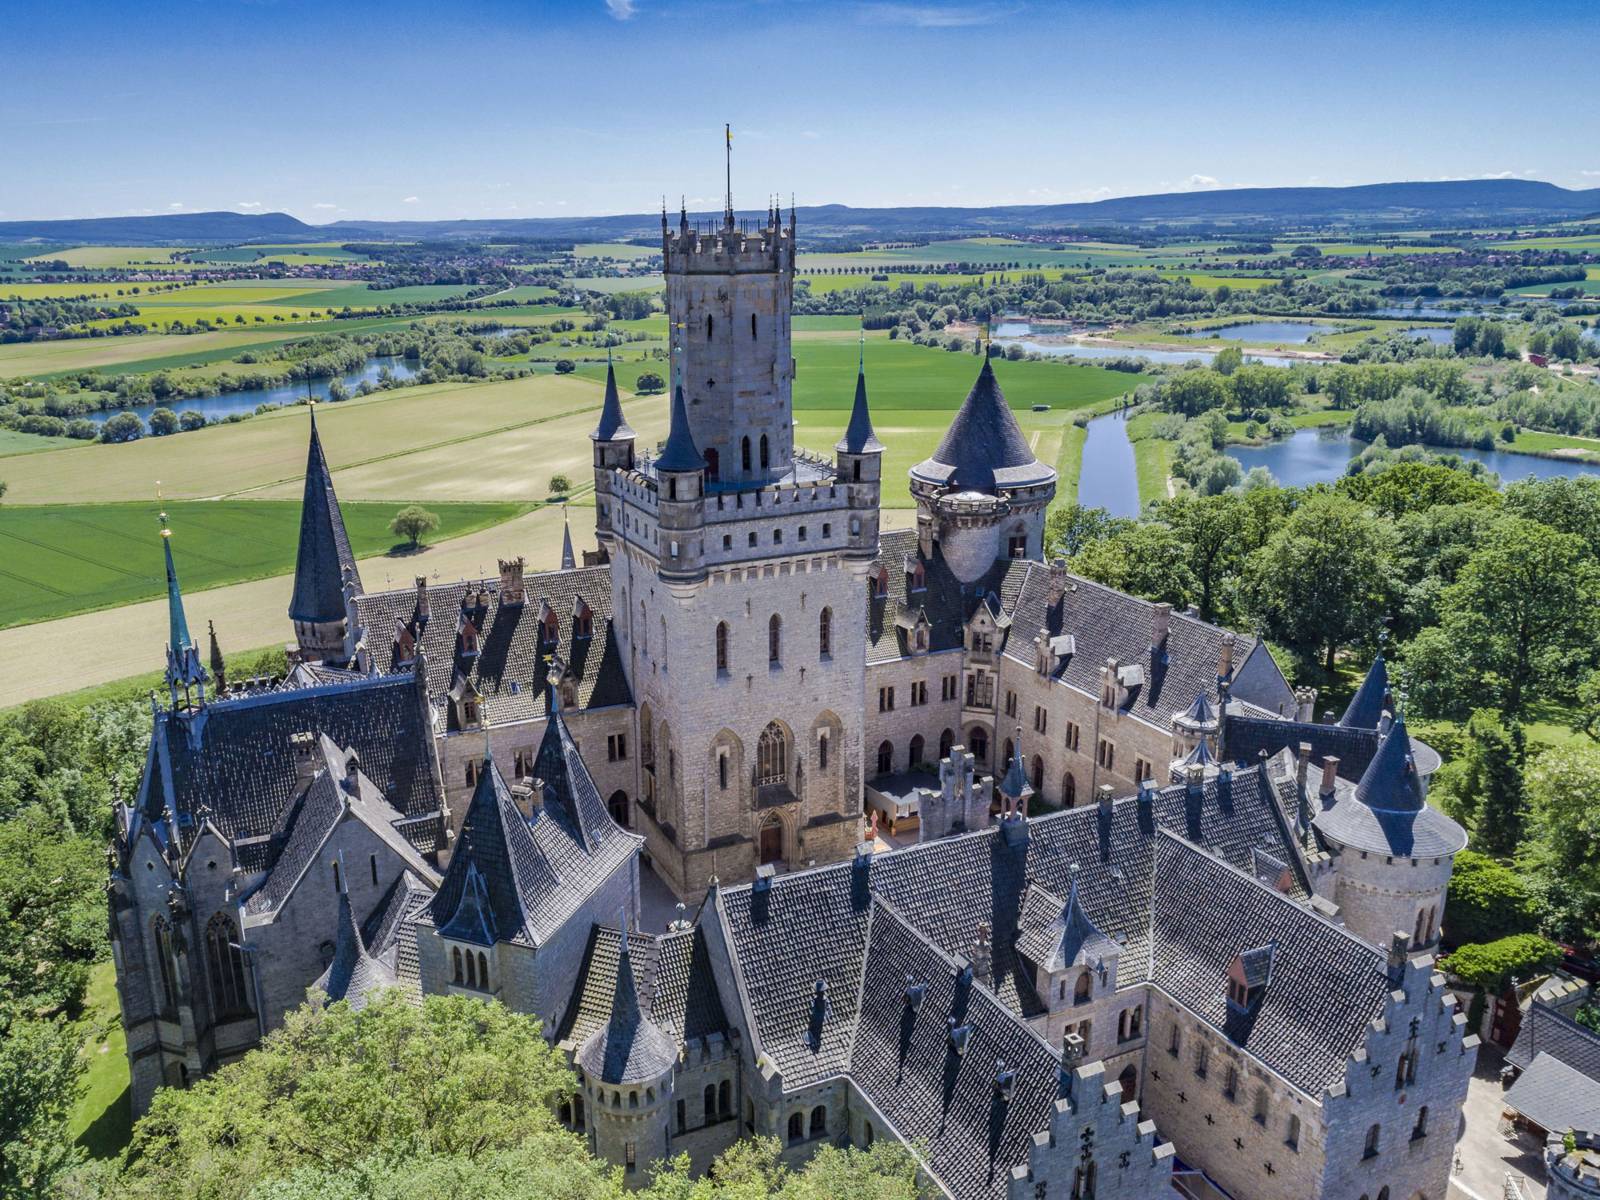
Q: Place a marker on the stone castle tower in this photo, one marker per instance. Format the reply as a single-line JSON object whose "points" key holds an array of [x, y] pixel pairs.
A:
{"points": [[739, 570]]}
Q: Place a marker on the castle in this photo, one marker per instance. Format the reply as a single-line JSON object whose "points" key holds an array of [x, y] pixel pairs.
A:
{"points": [[1205, 948]]}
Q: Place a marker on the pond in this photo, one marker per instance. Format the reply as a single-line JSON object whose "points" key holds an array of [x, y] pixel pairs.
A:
{"points": [[1292, 333], [1320, 456], [224, 404], [1107, 478], [1439, 337], [1060, 341]]}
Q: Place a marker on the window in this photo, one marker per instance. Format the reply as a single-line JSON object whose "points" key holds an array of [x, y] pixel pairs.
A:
{"points": [[979, 741], [947, 687], [1420, 1129], [822, 752], [338, 883], [772, 756], [886, 699], [1202, 1060], [1291, 1137], [1036, 775], [1011, 704], [752, 327], [1083, 1180], [1230, 1083], [866, 1134], [1041, 719], [727, 541], [372, 862], [455, 957], [1175, 1043], [483, 971], [1405, 1069], [710, 1103], [885, 757], [777, 537], [1142, 770], [914, 758], [947, 739], [819, 1121], [827, 529], [1129, 1021], [1017, 545], [1069, 790], [825, 633], [802, 533], [472, 970], [765, 459], [1372, 1147], [226, 962], [752, 537], [725, 1099], [1261, 1106], [722, 645], [616, 747], [682, 1116], [166, 963], [797, 1128], [1072, 735], [1107, 755], [774, 639], [722, 770], [919, 693], [1082, 990], [630, 1152], [744, 453], [709, 327]]}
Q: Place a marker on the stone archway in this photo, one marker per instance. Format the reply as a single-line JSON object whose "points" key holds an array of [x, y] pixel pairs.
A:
{"points": [[619, 808], [1128, 1081], [769, 842]]}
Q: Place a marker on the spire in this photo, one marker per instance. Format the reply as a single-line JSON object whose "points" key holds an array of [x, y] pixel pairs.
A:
{"points": [[613, 425], [1367, 706], [183, 656], [568, 562], [1015, 784], [859, 437], [353, 973], [680, 452], [324, 555], [727, 202], [984, 448], [630, 1047], [1390, 782]]}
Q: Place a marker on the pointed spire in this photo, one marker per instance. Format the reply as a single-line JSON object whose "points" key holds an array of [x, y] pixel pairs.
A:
{"points": [[727, 202], [1390, 782], [1015, 784], [859, 437], [1367, 706], [568, 562], [680, 452], [630, 1047], [353, 973], [324, 556], [613, 425], [183, 657], [984, 448]]}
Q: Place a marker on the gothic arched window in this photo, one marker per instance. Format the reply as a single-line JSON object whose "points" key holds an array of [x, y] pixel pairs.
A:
{"points": [[825, 633], [766, 460], [915, 756], [166, 962], [1069, 790], [225, 960], [772, 755], [775, 639], [947, 739], [744, 453], [722, 645], [885, 757]]}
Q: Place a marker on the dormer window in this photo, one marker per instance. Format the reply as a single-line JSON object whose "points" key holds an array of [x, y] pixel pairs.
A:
{"points": [[550, 627], [582, 620], [1248, 976], [469, 640]]}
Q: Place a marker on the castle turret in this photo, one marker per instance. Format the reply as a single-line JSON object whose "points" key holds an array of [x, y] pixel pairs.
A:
{"points": [[613, 440], [859, 458], [325, 577], [681, 474], [982, 495]]}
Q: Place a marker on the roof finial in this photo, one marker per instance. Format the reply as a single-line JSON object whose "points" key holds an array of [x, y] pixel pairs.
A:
{"points": [[727, 204]]}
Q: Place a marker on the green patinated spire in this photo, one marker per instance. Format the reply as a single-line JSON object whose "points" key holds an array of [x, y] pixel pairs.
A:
{"points": [[183, 656]]}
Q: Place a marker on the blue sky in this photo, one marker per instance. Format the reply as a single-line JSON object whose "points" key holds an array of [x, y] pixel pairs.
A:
{"points": [[343, 108]]}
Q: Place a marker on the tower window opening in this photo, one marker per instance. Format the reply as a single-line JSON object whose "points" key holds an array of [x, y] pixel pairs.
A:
{"points": [[709, 327], [752, 327]]}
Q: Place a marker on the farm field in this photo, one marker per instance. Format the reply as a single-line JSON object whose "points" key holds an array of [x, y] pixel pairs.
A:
{"points": [[291, 253], [132, 352], [110, 256], [71, 558], [620, 251]]}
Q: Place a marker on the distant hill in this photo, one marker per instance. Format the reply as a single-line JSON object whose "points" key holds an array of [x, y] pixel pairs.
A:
{"points": [[1379, 205]]}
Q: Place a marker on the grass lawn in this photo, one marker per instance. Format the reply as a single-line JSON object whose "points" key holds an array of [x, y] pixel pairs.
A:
{"points": [[13, 442], [1069, 463], [102, 1120], [71, 558], [1152, 458]]}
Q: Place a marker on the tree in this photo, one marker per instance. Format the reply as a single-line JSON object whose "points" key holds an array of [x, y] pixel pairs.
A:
{"points": [[1227, 360], [190, 420], [411, 522], [1194, 392], [1147, 559], [1398, 488], [1568, 503], [565, 366], [1519, 623], [1484, 789], [752, 1170], [453, 1077], [39, 1068], [649, 382], [1563, 855], [1325, 580], [337, 391], [1492, 965], [162, 422], [1487, 900], [560, 485], [1212, 528], [124, 427], [1071, 527]]}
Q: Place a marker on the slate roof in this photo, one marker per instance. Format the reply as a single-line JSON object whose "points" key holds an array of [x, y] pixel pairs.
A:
{"points": [[946, 1103], [515, 880], [613, 425], [509, 671], [1106, 624], [680, 453], [858, 435], [234, 759], [813, 925], [1056, 935], [1386, 813], [1554, 1096], [390, 932], [324, 553], [1546, 1031], [944, 599], [1326, 984], [354, 974], [984, 449], [1371, 700], [629, 1047]]}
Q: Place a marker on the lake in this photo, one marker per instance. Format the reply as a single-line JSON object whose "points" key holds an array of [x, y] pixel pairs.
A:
{"points": [[1293, 333], [224, 404], [1107, 478], [1320, 456], [1439, 337], [1063, 344]]}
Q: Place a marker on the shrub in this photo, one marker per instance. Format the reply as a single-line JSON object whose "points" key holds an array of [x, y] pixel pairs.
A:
{"points": [[565, 366], [162, 422], [649, 381], [1491, 965], [1487, 901], [124, 427]]}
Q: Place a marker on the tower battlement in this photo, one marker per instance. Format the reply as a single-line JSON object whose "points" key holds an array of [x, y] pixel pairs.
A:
{"points": [[728, 248]]}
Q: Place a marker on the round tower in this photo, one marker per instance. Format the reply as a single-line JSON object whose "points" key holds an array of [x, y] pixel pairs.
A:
{"points": [[627, 1067], [681, 477], [613, 441], [983, 494]]}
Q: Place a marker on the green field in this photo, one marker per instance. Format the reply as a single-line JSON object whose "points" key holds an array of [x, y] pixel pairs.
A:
{"points": [[620, 251], [70, 558], [110, 256], [102, 1119]]}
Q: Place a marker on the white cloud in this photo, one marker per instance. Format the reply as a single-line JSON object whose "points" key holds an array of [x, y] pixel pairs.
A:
{"points": [[1201, 182], [248, 204], [1590, 174], [934, 16], [175, 205], [621, 9], [409, 200], [324, 205]]}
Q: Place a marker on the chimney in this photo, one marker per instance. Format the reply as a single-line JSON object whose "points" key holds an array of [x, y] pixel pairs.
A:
{"points": [[1194, 781], [1071, 1056], [511, 590], [1305, 704], [422, 612], [925, 535], [1330, 772], [522, 794], [1399, 949], [352, 768], [1058, 580], [1385, 723], [983, 954], [1103, 795], [1225, 657], [863, 855], [1303, 761], [304, 748], [1160, 623]]}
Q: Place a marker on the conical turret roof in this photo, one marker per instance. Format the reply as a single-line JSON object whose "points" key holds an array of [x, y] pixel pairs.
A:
{"points": [[613, 425], [680, 452], [859, 437], [324, 554], [629, 1048], [1388, 813], [1015, 782], [984, 449], [353, 974], [1367, 705], [568, 561]]}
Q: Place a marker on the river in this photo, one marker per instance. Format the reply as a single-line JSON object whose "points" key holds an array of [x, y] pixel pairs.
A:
{"points": [[1321, 455], [1062, 341], [1107, 478]]}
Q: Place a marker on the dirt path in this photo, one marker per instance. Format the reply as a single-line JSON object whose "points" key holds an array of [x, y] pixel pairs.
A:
{"points": [[101, 647]]}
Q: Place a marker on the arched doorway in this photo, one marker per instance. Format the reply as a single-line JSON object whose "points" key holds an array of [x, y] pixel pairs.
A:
{"points": [[1069, 790], [979, 741], [1129, 1082], [618, 807], [771, 841], [947, 739]]}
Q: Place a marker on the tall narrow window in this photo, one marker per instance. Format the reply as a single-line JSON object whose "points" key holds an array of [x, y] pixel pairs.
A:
{"points": [[766, 460], [459, 974], [825, 633], [775, 639], [722, 645], [744, 453], [752, 327], [166, 963], [709, 327], [772, 756], [225, 961], [338, 886], [822, 752], [1373, 1135]]}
